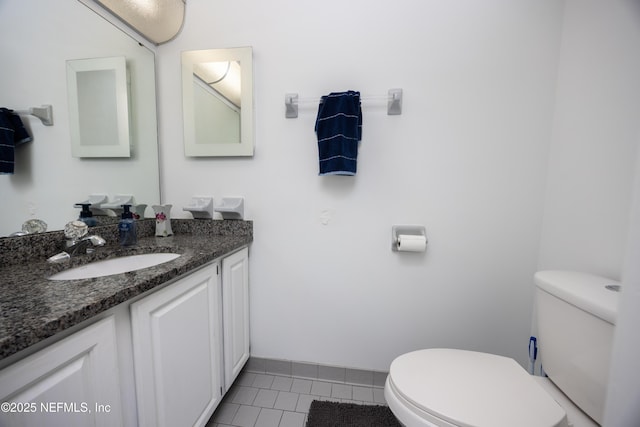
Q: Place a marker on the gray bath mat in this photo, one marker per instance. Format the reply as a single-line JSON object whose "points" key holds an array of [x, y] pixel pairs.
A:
{"points": [[333, 414]]}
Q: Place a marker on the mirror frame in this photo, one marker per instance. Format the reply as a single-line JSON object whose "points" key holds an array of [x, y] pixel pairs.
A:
{"points": [[193, 148], [94, 114]]}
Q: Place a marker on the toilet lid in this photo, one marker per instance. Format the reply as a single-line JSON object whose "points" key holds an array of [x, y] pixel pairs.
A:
{"points": [[471, 389]]}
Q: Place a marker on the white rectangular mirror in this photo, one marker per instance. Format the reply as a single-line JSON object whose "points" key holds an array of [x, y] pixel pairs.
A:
{"points": [[217, 102], [98, 107]]}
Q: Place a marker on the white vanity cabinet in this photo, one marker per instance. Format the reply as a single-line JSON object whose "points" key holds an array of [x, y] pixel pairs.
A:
{"points": [[235, 302], [177, 351], [165, 359], [73, 382], [190, 341]]}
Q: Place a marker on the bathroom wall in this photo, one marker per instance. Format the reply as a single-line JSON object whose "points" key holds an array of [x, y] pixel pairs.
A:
{"points": [[594, 140], [622, 408], [467, 159], [591, 221]]}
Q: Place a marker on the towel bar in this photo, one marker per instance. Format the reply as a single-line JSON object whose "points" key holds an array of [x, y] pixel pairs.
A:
{"points": [[393, 98]]}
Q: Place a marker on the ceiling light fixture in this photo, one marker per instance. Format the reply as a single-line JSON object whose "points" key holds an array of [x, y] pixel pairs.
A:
{"points": [[157, 20]]}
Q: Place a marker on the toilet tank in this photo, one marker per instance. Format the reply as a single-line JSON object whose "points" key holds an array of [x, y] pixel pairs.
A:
{"points": [[576, 317]]}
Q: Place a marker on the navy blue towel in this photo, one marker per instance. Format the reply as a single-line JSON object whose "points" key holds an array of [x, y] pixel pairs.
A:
{"points": [[339, 128], [12, 133]]}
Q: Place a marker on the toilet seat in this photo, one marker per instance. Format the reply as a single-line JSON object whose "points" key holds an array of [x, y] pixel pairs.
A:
{"points": [[446, 387]]}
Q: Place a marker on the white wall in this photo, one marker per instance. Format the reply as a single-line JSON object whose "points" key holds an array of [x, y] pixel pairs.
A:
{"points": [[622, 408], [590, 222], [594, 140], [467, 159]]}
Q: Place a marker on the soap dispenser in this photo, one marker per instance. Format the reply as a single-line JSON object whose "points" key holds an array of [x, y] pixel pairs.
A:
{"points": [[86, 215], [127, 228]]}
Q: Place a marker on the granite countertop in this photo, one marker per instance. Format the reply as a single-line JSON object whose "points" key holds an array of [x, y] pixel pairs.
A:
{"points": [[33, 308]]}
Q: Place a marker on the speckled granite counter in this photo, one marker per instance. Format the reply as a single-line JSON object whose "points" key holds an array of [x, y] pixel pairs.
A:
{"points": [[33, 308]]}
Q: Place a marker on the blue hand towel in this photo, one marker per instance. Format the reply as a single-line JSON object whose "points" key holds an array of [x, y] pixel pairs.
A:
{"points": [[12, 133], [339, 129]]}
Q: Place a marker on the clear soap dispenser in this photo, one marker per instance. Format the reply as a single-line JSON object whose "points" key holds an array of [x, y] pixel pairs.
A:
{"points": [[127, 228]]}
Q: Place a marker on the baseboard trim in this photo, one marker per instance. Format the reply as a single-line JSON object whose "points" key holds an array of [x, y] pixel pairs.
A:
{"points": [[316, 371]]}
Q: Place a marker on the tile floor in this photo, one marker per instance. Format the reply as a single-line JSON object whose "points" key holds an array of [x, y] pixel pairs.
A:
{"points": [[264, 400]]}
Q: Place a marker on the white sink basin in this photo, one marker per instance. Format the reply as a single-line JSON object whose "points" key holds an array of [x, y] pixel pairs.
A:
{"points": [[113, 266]]}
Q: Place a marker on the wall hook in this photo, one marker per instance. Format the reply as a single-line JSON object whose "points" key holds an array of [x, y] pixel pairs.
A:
{"points": [[394, 103], [291, 105]]}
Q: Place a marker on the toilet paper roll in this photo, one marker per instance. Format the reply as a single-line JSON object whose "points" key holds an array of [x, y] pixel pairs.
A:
{"points": [[411, 243]]}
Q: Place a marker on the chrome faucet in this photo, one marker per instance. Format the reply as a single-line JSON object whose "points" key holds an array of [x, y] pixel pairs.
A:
{"points": [[85, 245], [78, 247]]}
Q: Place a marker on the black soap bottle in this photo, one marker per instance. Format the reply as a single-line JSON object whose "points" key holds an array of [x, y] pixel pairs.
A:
{"points": [[127, 228], [86, 215]]}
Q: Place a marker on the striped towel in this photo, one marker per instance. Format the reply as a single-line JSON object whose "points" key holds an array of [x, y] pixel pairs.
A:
{"points": [[12, 133], [339, 129]]}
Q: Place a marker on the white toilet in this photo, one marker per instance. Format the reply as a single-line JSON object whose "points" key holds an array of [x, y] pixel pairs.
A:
{"points": [[576, 314]]}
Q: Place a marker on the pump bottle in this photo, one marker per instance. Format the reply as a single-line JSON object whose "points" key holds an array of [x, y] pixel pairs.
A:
{"points": [[86, 215], [127, 228]]}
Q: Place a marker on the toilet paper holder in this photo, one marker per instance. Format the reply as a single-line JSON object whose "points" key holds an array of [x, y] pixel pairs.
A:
{"points": [[411, 230]]}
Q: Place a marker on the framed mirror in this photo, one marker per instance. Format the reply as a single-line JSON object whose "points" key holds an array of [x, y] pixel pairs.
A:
{"points": [[98, 107], [217, 102]]}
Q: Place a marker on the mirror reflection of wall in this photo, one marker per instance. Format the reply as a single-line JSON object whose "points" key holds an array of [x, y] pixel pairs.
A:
{"points": [[217, 90], [217, 102], [48, 181], [99, 107]]}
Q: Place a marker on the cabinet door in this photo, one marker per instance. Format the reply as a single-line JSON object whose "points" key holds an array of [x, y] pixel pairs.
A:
{"points": [[235, 313], [176, 345], [73, 382]]}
